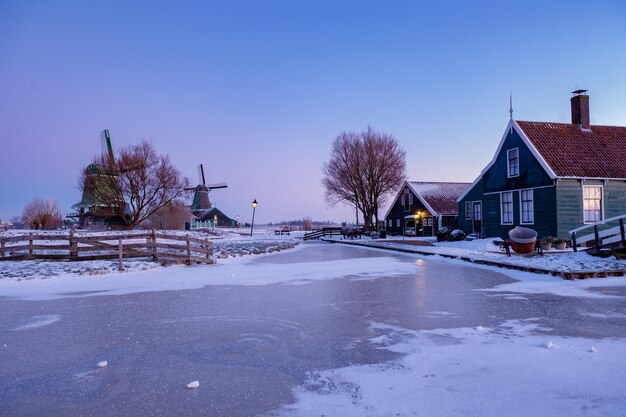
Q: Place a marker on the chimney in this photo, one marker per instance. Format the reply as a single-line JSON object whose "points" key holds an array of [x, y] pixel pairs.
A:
{"points": [[580, 109]]}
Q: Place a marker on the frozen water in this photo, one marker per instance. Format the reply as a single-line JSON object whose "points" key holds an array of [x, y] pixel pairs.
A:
{"points": [[260, 346]]}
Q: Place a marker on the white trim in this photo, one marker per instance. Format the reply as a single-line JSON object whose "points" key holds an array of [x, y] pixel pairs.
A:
{"points": [[521, 207], [502, 211], [511, 125], [471, 211], [601, 202], [519, 189], [508, 163]]}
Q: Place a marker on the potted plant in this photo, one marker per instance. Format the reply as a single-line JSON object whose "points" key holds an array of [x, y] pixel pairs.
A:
{"points": [[546, 243], [560, 243]]}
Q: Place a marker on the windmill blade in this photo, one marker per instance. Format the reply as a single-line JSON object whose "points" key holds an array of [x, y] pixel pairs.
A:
{"points": [[202, 174], [218, 185], [190, 189], [107, 148]]}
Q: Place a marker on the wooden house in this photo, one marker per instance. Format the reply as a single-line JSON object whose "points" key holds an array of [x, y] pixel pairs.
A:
{"points": [[420, 208], [550, 177]]}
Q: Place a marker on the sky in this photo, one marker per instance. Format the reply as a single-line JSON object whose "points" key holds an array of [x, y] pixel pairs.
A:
{"points": [[258, 90]]}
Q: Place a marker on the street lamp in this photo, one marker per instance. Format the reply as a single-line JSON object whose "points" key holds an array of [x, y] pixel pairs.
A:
{"points": [[215, 221], [237, 221], [254, 204]]}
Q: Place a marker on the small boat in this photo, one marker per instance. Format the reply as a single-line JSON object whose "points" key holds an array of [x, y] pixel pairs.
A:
{"points": [[523, 239]]}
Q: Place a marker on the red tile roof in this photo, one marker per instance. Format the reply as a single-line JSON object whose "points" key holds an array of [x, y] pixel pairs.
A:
{"points": [[440, 196], [572, 152]]}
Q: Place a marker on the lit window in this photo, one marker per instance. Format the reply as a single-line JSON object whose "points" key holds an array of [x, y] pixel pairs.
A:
{"points": [[528, 209], [513, 162], [592, 203], [506, 207], [468, 210]]}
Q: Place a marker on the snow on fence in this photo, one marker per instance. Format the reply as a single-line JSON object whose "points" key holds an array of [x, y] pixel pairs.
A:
{"points": [[156, 245]]}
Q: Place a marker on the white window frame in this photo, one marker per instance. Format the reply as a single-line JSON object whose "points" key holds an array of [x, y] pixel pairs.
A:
{"points": [[397, 222], [469, 210], [508, 163], [532, 206], [601, 202], [502, 222]]}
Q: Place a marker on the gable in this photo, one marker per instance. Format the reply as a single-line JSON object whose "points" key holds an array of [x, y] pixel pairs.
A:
{"points": [[530, 172]]}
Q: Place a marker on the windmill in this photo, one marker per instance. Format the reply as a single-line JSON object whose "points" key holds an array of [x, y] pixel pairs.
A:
{"points": [[201, 191]]}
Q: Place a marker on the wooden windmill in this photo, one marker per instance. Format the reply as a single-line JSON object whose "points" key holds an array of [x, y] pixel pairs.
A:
{"points": [[201, 202]]}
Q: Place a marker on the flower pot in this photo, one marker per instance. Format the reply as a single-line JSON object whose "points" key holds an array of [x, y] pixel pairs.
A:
{"points": [[546, 245], [560, 246]]}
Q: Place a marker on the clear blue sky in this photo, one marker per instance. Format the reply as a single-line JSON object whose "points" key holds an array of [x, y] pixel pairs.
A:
{"points": [[258, 90]]}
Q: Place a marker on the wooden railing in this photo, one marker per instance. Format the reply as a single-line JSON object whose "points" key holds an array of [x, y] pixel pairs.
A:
{"points": [[155, 245], [600, 237], [326, 231]]}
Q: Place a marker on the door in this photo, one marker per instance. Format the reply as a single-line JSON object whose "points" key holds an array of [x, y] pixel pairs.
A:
{"points": [[477, 215]]}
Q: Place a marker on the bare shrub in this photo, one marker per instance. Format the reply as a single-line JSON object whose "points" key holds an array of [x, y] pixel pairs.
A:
{"points": [[42, 214]]}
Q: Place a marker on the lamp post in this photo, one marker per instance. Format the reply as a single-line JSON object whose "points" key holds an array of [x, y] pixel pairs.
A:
{"points": [[215, 221], [254, 204], [237, 221]]}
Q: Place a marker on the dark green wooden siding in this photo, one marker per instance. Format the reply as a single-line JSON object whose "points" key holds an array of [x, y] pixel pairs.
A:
{"points": [[531, 173], [475, 194]]}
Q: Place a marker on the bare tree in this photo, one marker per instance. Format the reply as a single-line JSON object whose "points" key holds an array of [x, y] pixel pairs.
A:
{"points": [[136, 184], [42, 214], [364, 170], [307, 223]]}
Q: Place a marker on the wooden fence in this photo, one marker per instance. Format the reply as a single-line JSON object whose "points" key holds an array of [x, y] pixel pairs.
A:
{"points": [[158, 246]]}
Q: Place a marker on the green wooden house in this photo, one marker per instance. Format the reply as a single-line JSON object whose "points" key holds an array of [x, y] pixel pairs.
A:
{"points": [[550, 177]]}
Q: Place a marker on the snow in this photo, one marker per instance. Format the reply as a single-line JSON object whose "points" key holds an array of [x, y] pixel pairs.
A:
{"points": [[102, 364], [452, 372], [484, 249], [241, 271], [193, 384]]}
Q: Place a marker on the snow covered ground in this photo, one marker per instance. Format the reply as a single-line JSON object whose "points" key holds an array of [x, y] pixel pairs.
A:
{"points": [[484, 249]]}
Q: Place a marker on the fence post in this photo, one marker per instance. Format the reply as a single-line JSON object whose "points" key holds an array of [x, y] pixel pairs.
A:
{"points": [[154, 258], [2, 247], [206, 247], [120, 252], [597, 235], [73, 246], [574, 241], [30, 246], [621, 231], [188, 250]]}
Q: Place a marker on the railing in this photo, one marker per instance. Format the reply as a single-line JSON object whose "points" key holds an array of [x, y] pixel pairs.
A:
{"points": [[326, 231], [155, 245], [600, 237]]}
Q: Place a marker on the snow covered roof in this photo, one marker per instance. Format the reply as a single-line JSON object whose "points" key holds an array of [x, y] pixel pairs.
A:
{"points": [[439, 197]]}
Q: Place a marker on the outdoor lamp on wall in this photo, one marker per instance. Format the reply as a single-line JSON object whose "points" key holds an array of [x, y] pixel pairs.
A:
{"points": [[254, 204]]}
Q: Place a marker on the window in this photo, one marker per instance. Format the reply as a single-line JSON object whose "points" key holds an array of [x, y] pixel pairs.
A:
{"points": [[407, 200], [527, 207], [506, 208], [397, 222], [513, 162], [468, 210], [390, 223], [592, 203]]}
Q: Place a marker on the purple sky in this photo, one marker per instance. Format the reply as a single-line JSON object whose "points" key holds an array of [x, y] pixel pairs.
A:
{"points": [[257, 91]]}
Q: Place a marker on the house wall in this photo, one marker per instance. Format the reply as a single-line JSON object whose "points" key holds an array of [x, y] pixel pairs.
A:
{"points": [[570, 203], [398, 211], [544, 213], [475, 194]]}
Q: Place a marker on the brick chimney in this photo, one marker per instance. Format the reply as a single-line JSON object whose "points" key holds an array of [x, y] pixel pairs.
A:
{"points": [[580, 109]]}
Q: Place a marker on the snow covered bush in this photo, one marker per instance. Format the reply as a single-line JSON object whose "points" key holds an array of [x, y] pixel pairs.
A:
{"points": [[456, 235], [443, 234]]}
